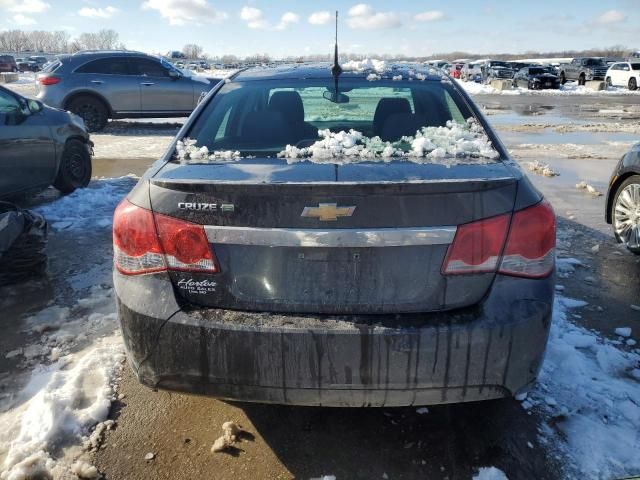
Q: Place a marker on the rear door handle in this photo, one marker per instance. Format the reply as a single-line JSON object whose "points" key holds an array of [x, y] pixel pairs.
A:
{"points": [[147, 83], [97, 82]]}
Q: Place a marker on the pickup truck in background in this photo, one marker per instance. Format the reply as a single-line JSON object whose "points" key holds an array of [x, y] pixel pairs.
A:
{"points": [[583, 69]]}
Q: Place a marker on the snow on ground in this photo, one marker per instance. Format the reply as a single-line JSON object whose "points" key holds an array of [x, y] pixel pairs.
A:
{"points": [[73, 360], [588, 392], [570, 88], [88, 207]]}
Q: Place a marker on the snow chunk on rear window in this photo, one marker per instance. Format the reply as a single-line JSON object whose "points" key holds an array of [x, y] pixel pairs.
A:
{"points": [[187, 151], [455, 143]]}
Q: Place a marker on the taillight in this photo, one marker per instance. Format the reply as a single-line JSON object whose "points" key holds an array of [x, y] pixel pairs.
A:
{"points": [[49, 80], [185, 245], [143, 243], [530, 249], [477, 246]]}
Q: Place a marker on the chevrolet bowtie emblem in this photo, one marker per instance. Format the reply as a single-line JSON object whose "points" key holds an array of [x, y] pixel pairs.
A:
{"points": [[327, 212]]}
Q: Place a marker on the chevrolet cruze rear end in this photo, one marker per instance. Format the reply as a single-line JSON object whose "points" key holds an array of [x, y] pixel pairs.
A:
{"points": [[360, 243]]}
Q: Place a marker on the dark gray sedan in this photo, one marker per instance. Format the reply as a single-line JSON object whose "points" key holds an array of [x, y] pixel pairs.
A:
{"points": [[41, 146], [356, 241]]}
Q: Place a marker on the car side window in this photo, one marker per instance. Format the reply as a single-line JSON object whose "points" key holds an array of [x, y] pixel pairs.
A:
{"points": [[106, 66], [625, 68], [148, 68], [8, 103]]}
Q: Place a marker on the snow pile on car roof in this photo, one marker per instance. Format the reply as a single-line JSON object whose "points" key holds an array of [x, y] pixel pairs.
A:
{"points": [[451, 144], [368, 64]]}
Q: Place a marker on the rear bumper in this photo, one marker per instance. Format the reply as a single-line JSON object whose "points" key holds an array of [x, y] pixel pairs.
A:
{"points": [[490, 351]]}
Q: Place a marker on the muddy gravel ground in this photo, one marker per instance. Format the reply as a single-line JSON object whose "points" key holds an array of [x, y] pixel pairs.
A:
{"points": [[447, 442]]}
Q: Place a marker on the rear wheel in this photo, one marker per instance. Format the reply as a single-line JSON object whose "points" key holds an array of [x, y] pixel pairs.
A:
{"points": [[625, 213], [582, 80], [92, 110], [75, 167], [563, 79], [608, 82], [633, 84]]}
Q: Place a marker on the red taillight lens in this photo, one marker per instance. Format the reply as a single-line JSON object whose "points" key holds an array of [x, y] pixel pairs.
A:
{"points": [[144, 244], [49, 80], [530, 249], [477, 246], [185, 245]]}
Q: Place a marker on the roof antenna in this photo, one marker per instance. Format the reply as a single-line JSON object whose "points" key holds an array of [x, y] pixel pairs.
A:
{"points": [[336, 69]]}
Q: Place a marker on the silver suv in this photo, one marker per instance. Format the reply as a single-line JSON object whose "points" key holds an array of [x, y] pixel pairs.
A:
{"points": [[98, 85]]}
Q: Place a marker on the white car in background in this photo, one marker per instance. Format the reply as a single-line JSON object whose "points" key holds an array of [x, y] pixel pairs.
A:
{"points": [[624, 74]]}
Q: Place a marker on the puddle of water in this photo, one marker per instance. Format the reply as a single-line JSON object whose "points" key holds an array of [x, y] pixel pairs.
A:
{"points": [[550, 137]]}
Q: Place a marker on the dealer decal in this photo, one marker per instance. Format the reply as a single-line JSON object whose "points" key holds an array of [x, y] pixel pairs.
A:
{"points": [[197, 287]]}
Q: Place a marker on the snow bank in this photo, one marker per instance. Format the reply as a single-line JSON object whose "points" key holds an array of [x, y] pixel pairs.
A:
{"points": [[590, 396], [69, 397], [448, 145], [570, 88], [93, 205]]}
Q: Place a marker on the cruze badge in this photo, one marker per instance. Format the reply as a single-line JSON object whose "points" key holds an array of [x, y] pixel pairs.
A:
{"points": [[327, 212], [207, 207]]}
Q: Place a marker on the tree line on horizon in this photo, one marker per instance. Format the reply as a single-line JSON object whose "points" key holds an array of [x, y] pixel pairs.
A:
{"points": [[60, 41]]}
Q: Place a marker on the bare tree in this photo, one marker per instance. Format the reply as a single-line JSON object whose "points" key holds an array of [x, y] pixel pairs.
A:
{"points": [[191, 50], [102, 40]]}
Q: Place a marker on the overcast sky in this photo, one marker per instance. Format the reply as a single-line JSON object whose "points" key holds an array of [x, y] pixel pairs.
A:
{"points": [[294, 27]]}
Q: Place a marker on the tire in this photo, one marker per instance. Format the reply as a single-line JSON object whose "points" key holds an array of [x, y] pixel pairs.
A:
{"points": [[625, 212], [633, 84], [75, 167], [608, 82], [582, 80], [563, 79], [92, 110]]}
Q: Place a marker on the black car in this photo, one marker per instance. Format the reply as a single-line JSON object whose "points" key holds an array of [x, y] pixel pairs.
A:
{"points": [[357, 240], [27, 65], [536, 78], [623, 200], [41, 146]]}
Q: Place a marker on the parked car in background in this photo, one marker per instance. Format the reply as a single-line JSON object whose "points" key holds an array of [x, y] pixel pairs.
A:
{"points": [[8, 64], [41, 146], [623, 200], [583, 70], [119, 84], [194, 66], [536, 78], [39, 60], [624, 74], [204, 65], [471, 72], [263, 261], [456, 70], [176, 54], [496, 70], [179, 64], [27, 65]]}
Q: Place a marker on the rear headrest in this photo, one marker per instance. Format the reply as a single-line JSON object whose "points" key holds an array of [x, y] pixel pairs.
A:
{"points": [[289, 104], [399, 125], [386, 107], [265, 125]]}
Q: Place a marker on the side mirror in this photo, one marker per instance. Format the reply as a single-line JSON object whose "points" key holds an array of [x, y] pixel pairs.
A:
{"points": [[35, 106], [174, 74]]}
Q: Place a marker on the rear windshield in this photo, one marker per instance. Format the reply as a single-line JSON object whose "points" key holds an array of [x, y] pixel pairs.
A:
{"points": [[51, 66], [538, 70], [6, 58], [369, 119]]}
